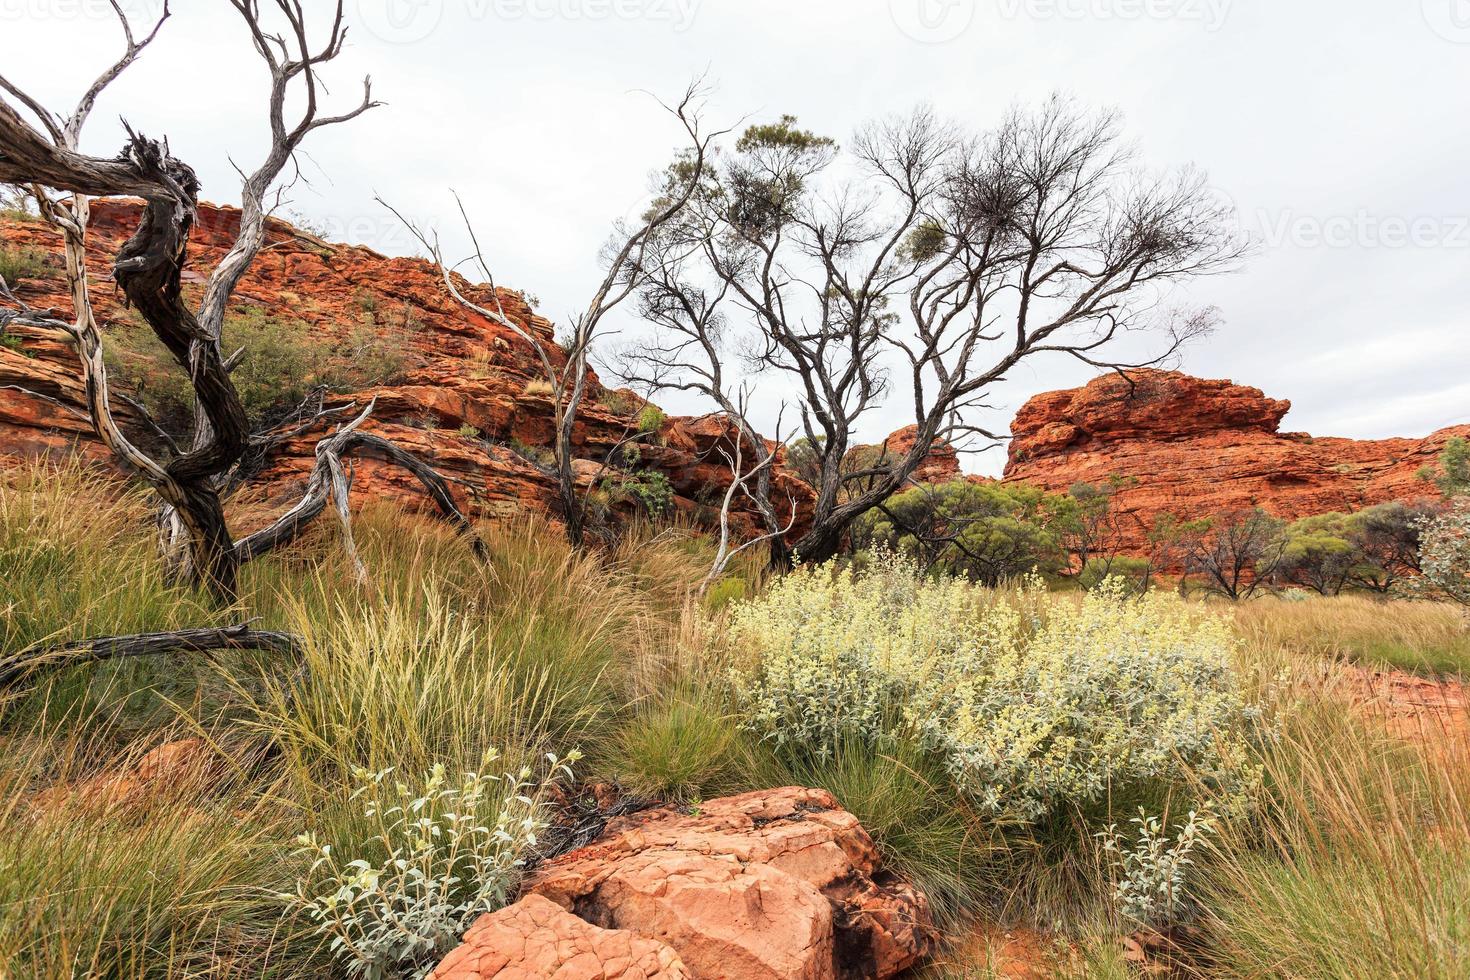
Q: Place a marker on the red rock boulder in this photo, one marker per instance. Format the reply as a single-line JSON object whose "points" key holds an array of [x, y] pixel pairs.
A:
{"points": [[772, 885], [536, 938]]}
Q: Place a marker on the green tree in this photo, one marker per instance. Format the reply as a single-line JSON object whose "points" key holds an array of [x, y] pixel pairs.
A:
{"points": [[1319, 553], [988, 532], [1453, 474], [1387, 539], [1087, 524]]}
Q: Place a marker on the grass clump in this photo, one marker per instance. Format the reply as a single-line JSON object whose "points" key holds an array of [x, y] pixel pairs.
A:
{"points": [[168, 884], [1360, 864], [21, 263], [1423, 637]]}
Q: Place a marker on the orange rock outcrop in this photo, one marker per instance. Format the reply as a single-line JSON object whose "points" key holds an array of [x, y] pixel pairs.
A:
{"points": [[470, 391], [1196, 447], [778, 884]]}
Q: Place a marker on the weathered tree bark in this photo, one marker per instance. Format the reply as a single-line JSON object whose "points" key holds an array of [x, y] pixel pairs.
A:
{"points": [[208, 640]]}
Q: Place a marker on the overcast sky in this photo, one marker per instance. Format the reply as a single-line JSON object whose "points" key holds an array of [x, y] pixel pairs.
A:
{"points": [[1338, 128]]}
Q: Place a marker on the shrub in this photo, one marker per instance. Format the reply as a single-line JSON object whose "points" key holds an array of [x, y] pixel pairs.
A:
{"points": [[284, 359], [538, 456], [11, 342], [650, 488], [1453, 473], [442, 852], [1137, 573], [1152, 872], [1444, 555], [987, 531], [21, 263], [1036, 704], [651, 419], [621, 402]]}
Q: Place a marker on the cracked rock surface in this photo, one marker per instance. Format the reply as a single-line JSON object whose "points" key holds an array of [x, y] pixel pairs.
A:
{"points": [[773, 885]]}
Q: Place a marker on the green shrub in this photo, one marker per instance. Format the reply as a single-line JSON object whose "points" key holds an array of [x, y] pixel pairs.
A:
{"points": [[1036, 704], [11, 342], [21, 263], [651, 489], [284, 359], [651, 419], [986, 531], [1136, 572], [438, 853]]}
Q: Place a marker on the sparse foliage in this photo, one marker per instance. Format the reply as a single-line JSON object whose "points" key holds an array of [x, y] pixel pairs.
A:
{"points": [[918, 253]]}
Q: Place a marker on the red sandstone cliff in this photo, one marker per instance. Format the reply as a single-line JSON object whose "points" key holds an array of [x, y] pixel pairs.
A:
{"points": [[461, 372], [1196, 447]]}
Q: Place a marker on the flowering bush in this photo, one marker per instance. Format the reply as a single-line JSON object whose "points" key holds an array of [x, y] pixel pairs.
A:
{"points": [[446, 851], [1444, 553], [1033, 701]]}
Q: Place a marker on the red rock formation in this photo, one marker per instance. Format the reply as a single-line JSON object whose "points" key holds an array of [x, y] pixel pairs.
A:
{"points": [[772, 885], [1195, 447], [537, 938], [940, 466], [463, 372]]}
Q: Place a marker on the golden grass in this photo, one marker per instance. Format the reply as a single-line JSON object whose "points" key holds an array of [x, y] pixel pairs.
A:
{"points": [[1425, 637]]}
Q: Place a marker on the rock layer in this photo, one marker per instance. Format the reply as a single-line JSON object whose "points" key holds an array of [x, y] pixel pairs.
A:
{"points": [[1196, 447], [470, 398]]}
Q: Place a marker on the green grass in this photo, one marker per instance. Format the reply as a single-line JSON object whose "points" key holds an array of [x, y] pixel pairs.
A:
{"points": [[1356, 864], [922, 829], [1422, 637], [438, 660]]}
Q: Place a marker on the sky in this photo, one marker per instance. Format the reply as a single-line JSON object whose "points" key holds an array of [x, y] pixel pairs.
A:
{"points": [[1337, 128]]}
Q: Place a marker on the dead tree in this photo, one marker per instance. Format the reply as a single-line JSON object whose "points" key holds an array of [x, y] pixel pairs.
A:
{"points": [[567, 372], [742, 480], [936, 256], [192, 480]]}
